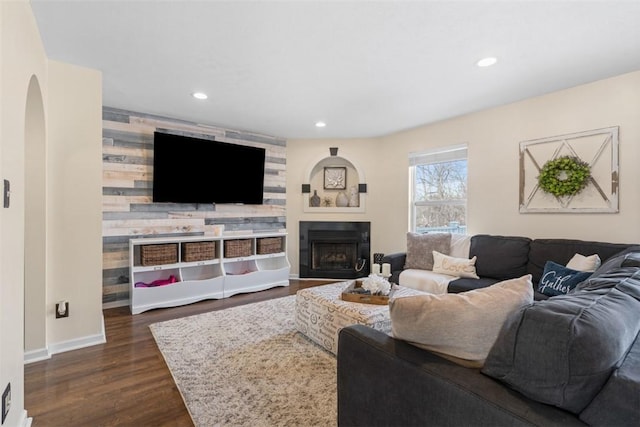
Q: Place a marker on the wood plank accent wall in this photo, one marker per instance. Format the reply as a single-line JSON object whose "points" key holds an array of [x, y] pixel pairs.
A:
{"points": [[127, 209]]}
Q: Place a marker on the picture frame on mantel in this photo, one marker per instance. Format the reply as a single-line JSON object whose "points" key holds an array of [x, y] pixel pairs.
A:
{"points": [[335, 178]]}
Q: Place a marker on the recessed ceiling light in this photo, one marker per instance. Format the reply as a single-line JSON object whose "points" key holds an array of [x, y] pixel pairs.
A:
{"points": [[199, 95], [320, 124], [487, 62]]}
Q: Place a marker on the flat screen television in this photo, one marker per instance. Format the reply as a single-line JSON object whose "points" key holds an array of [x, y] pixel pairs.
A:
{"points": [[195, 170]]}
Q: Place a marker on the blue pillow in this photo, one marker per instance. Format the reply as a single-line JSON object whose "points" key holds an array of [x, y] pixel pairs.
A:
{"points": [[559, 280]]}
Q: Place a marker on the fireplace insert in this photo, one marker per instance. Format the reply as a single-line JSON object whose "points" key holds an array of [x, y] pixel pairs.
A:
{"points": [[334, 250]]}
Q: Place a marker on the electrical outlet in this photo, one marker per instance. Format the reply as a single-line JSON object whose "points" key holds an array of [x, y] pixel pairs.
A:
{"points": [[6, 402], [62, 309]]}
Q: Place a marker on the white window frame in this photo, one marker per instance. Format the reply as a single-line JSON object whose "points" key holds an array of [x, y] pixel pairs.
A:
{"points": [[440, 155]]}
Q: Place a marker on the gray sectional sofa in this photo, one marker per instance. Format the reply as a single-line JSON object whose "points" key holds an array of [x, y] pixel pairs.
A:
{"points": [[566, 360], [507, 257]]}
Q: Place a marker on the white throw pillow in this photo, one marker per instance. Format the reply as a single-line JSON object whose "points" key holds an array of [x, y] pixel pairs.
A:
{"points": [[584, 263], [460, 327], [460, 244], [460, 267]]}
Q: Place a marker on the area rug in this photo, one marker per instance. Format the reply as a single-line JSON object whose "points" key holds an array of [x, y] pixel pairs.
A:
{"points": [[248, 366]]}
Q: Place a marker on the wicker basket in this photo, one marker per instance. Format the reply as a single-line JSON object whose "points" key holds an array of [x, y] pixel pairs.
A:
{"points": [[269, 245], [198, 251], [159, 254], [237, 247]]}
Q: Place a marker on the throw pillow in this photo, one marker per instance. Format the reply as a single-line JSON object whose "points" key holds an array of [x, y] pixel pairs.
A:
{"points": [[420, 249], [460, 267], [460, 327], [584, 263], [558, 280], [460, 244]]}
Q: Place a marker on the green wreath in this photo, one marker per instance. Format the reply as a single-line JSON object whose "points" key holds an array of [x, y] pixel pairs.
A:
{"points": [[564, 176]]}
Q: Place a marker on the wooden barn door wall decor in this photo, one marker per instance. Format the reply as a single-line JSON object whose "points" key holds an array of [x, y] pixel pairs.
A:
{"points": [[576, 172]]}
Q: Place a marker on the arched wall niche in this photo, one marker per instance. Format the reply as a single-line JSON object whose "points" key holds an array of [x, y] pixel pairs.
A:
{"points": [[323, 167]]}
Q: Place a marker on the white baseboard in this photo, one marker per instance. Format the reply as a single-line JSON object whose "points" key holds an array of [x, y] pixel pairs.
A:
{"points": [[24, 420], [63, 346], [36, 355], [77, 343]]}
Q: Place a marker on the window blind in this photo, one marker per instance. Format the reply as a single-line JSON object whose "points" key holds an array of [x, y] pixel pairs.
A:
{"points": [[449, 154]]}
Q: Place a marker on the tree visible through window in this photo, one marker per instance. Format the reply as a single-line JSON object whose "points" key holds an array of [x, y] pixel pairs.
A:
{"points": [[439, 190]]}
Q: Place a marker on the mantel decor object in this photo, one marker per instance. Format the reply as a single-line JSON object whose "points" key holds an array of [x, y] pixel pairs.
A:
{"points": [[335, 178], [342, 201], [354, 197], [314, 200]]}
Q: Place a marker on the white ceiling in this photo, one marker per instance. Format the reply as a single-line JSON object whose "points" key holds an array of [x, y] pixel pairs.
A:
{"points": [[366, 68]]}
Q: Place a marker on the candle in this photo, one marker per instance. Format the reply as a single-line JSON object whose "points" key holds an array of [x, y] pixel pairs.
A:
{"points": [[386, 269], [376, 269]]}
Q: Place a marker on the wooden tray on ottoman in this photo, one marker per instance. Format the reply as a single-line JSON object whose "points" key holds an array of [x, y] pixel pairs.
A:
{"points": [[351, 294]]}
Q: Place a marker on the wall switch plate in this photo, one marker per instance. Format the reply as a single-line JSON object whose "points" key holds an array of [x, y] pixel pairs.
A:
{"points": [[7, 193], [6, 402]]}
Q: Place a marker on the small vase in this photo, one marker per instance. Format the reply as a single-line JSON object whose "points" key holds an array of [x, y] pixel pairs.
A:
{"points": [[342, 200], [354, 200], [314, 200]]}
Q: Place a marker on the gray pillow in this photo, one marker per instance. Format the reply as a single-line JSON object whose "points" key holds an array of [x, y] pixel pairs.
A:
{"points": [[420, 249], [561, 351]]}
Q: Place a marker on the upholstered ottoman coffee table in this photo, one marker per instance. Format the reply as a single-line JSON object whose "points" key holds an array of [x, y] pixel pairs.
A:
{"points": [[321, 314]]}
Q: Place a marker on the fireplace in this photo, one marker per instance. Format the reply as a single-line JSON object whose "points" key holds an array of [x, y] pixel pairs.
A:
{"points": [[334, 250]]}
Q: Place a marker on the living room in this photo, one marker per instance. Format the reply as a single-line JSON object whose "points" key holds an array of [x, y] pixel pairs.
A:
{"points": [[67, 205]]}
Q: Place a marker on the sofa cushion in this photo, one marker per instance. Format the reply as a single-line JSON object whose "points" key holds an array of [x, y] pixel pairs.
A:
{"points": [[500, 257], [632, 260], [420, 249], [561, 351], [558, 279], [460, 267], [463, 284], [562, 250], [625, 258], [619, 400], [461, 327]]}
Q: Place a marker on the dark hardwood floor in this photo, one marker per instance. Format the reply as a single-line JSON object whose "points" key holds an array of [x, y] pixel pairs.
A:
{"points": [[124, 382]]}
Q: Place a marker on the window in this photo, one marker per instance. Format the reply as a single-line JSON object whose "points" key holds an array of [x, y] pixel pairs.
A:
{"points": [[439, 190]]}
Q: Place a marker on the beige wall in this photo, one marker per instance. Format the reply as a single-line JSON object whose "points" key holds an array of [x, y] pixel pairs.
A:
{"points": [[493, 138], [74, 206], [302, 156], [50, 128], [22, 57]]}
